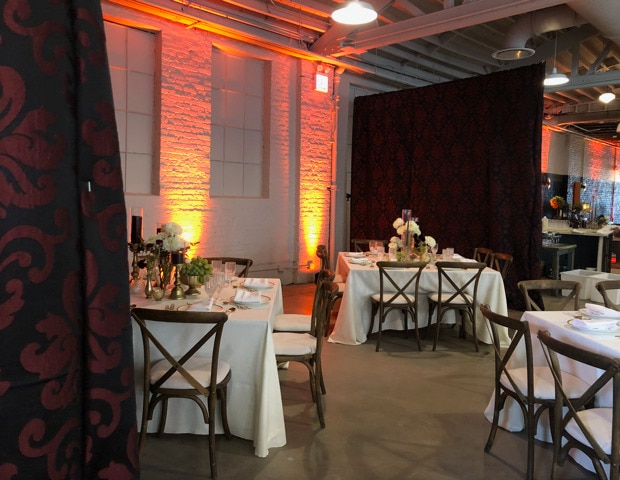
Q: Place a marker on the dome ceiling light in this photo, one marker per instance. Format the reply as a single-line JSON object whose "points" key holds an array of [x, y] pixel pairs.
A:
{"points": [[355, 12]]}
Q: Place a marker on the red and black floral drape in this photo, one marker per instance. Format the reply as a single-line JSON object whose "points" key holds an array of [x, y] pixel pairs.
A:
{"points": [[464, 156], [67, 407]]}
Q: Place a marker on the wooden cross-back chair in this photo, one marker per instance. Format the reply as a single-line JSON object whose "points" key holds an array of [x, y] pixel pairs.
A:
{"points": [[398, 290], [192, 372]]}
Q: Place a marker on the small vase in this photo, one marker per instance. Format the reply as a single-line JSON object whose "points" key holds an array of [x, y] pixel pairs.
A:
{"points": [[407, 236], [148, 287]]}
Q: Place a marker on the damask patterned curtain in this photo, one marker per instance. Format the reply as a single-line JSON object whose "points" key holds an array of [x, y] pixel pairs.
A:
{"points": [[464, 156], [67, 406]]}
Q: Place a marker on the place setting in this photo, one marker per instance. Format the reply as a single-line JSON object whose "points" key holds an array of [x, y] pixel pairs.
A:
{"points": [[249, 299], [595, 320]]}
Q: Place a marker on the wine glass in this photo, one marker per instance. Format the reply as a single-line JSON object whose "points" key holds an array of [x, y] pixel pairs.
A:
{"points": [[220, 279], [210, 286], [434, 250], [229, 271]]}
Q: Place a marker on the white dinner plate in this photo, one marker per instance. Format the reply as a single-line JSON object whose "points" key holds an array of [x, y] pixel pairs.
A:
{"points": [[355, 254], [587, 313], [591, 331], [259, 287], [264, 300]]}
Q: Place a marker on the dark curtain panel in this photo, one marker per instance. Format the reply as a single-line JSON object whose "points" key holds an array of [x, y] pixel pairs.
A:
{"points": [[464, 156], [67, 406]]}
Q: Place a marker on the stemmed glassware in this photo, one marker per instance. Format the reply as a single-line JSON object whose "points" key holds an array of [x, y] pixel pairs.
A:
{"points": [[229, 271], [210, 286], [434, 250], [220, 280]]}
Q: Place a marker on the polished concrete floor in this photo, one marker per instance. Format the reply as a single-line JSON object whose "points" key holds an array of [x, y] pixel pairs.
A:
{"points": [[396, 414]]}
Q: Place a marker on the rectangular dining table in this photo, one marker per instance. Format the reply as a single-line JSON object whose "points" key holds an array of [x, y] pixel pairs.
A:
{"points": [[255, 410], [361, 281], [559, 325]]}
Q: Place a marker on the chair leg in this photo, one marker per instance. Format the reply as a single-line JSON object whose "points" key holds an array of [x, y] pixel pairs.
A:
{"points": [[405, 323], [318, 376], [429, 324], [373, 313], [439, 315], [417, 330], [211, 408], [379, 334]]}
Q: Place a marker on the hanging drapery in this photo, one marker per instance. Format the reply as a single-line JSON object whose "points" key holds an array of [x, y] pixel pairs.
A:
{"points": [[67, 406], [464, 156]]}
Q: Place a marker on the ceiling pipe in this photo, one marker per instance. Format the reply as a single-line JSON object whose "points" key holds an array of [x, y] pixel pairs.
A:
{"points": [[536, 23], [602, 14]]}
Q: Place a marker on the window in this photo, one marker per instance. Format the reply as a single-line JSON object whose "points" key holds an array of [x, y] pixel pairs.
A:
{"points": [[131, 55], [238, 146]]}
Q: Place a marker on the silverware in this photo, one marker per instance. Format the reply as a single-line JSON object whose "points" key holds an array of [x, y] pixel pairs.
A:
{"points": [[230, 310], [169, 307]]}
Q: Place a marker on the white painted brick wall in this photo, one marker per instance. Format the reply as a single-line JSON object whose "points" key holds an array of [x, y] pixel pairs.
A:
{"points": [[268, 230]]}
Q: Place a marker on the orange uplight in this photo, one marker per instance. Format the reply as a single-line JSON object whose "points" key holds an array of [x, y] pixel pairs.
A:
{"points": [[312, 217]]}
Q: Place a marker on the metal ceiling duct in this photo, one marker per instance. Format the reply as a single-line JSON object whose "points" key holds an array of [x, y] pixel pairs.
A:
{"points": [[602, 14], [536, 23]]}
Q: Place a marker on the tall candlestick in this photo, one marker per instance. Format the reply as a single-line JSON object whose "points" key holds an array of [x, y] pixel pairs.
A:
{"points": [[136, 225]]}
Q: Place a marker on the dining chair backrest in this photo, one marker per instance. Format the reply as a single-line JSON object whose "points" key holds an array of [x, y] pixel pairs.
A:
{"points": [[519, 335], [501, 262], [399, 285], [532, 290], [191, 372], [243, 264], [362, 244], [457, 290], [594, 431], [462, 289], [516, 382], [484, 255], [323, 255], [394, 287], [605, 288]]}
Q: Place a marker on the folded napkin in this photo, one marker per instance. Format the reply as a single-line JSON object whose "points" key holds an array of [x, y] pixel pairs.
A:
{"points": [[204, 306], [600, 311], [243, 296], [355, 254], [359, 261], [256, 283], [597, 325]]}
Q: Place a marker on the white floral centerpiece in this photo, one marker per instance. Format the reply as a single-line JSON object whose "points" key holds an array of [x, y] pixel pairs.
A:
{"points": [[407, 230], [161, 245]]}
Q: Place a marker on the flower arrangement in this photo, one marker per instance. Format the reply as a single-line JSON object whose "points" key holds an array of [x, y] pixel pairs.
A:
{"points": [[557, 202], [158, 248], [424, 242], [602, 220]]}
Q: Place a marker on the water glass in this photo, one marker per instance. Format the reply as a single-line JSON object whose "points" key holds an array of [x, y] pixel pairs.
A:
{"points": [[217, 265], [392, 253]]}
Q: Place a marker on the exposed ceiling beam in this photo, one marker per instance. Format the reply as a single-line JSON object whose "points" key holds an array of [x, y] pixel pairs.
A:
{"points": [[465, 15]]}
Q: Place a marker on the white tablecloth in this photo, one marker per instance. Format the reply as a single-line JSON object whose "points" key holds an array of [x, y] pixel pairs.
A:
{"points": [[255, 409], [556, 322], [361, 281]]}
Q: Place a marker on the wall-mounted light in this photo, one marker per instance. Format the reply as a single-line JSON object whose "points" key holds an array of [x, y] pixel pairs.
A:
{"points": [[321, 78], [583, 184], [546, 182]]}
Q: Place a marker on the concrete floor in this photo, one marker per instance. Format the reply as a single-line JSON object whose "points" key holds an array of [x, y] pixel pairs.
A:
{"points": [[399, 413]]}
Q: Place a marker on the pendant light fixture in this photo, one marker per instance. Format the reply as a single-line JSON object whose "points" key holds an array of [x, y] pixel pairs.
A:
{"points": [[555, 78], [355, 12], [607, 97]]}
